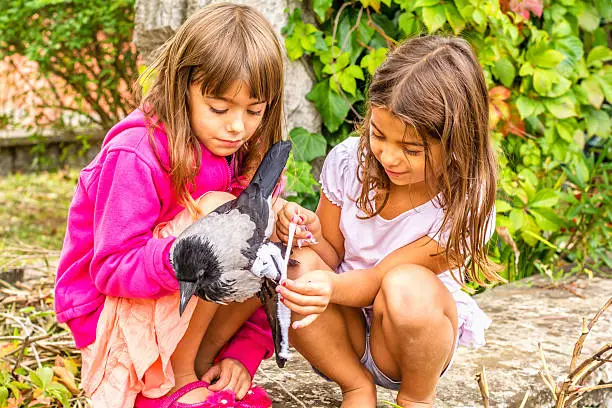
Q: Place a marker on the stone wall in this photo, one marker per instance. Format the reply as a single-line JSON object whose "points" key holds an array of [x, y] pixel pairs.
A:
{"points": [[21, 151], [157, 20]]}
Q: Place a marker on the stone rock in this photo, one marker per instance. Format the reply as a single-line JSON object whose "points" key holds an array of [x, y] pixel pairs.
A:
{"points": [[523, 313], [157, 20]]}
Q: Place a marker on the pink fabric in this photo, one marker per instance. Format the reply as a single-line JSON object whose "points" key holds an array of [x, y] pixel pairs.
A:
{"points": [[135, 339], [109, 248]]}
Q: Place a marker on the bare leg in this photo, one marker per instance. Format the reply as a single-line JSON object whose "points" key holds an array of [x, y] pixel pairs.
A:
{"points": [[335, 342], [413, 332], [183, 358], [223, 326]]}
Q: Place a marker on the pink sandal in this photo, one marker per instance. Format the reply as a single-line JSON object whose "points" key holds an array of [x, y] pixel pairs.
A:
{"points": [[171, 400], [256, 398]]}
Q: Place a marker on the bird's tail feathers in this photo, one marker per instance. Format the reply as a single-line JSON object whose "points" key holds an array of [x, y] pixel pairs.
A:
{"points": [[271, 167]]}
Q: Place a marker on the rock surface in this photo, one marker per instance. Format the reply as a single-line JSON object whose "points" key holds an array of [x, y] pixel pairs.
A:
{"points": [[157, 20], [523, 313]]}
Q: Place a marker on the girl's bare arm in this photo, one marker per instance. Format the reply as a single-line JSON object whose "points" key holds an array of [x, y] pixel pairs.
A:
{"points": [[358, 288]]}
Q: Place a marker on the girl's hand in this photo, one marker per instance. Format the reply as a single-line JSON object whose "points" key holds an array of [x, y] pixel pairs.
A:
{"points": [[308, 225], [229, 374], [308, 295]]}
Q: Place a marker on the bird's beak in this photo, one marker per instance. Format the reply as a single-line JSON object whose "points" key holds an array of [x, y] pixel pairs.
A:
{"points": [[187, 290]]}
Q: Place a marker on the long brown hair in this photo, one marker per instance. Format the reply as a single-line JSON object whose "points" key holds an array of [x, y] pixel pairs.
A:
{"points": [[217, 45], [435, 85]]}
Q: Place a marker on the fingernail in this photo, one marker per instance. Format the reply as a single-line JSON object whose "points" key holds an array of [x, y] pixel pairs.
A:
{"points": [[294, 219], [301, 218], [284, 283], [309, 235], [278, 289], [282, 299], [295, 325]]}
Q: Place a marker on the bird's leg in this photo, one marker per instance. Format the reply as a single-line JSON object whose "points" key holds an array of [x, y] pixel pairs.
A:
{"points": [[225, 323], [184, 356]]}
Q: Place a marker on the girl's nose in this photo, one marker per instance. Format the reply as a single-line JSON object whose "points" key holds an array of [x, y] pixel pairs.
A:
{"points": [[390, 157], [236, 124]]}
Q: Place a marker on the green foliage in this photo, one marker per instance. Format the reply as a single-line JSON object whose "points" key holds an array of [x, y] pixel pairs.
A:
{"points": [[550, 80], [301, 185], [83, 50]]}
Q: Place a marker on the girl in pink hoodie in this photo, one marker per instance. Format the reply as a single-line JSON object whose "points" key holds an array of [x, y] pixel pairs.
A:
{"points": [[213, 109]]}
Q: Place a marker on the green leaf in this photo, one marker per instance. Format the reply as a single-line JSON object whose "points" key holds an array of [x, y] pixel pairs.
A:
{"points": [[572, 46], [479, 17], [299, 177], [341, 62], [545, 198], [589, 19], [598, 122], [565, 131], [425, 3], [332, 107], [408, 23], [502, 206], [547, 59], [3, 395], [546, 219], [434, 18], [580, 169], [605, 81], [594, 92], [374, 59], [42, 377], [599, 54], [517, 218], [604, 8], [561, 29], [453, 17], [375, 4], [543, 80], [561, 108], [526, 106], [306, 145], [320, 7], [504, 71]]}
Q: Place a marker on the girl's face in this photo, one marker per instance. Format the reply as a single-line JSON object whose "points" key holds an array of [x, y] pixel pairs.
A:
{"points": [[399, 149], [224, 123]]}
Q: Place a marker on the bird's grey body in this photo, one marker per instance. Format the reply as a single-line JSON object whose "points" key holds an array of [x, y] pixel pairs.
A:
{"points": [[213, 257], [224, 241]]}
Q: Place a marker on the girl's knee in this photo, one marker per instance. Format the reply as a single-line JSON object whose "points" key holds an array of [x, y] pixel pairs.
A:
{"points": [[411, 295]]}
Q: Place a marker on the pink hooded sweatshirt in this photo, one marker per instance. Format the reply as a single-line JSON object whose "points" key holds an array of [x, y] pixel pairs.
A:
{"points": [[109, 249]]}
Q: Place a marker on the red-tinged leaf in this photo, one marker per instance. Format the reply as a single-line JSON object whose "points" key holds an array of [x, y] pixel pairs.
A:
{"points": [[15, 402], [524, 7], [8, 348], [499, 93]]}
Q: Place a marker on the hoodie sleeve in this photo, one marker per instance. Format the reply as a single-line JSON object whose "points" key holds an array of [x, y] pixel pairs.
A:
{"points": [[252, 343], [127, 260]]}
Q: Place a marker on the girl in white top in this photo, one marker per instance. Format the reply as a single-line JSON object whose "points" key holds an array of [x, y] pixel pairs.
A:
{"points": [[404, 207]]}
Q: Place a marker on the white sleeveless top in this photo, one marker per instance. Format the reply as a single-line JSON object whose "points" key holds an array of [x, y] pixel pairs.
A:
{"points": [[369, 240]]}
